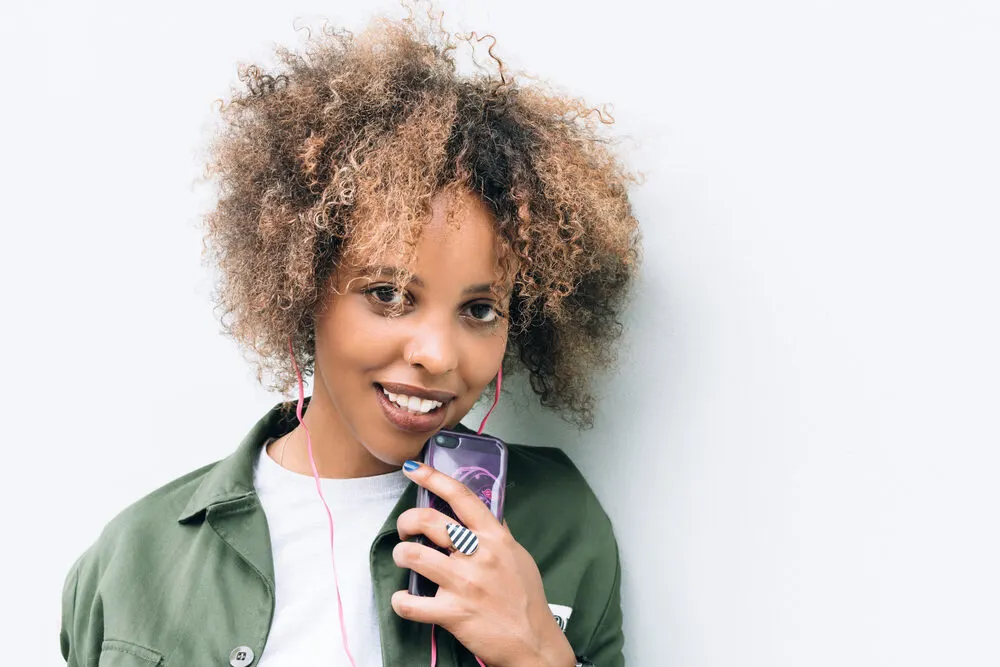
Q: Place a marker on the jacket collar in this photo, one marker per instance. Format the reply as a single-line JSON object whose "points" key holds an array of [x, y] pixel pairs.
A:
{"points": [[232, 478]]}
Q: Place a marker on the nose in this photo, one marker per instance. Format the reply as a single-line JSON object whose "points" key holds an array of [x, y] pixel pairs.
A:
{"points": [[433, 346]]}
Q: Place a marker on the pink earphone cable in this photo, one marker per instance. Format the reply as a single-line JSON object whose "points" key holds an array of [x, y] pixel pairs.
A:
{"points": [[496, 398], [329, 514]]}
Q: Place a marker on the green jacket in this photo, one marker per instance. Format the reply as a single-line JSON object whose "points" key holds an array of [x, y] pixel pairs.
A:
{"points": [[184, 576]]}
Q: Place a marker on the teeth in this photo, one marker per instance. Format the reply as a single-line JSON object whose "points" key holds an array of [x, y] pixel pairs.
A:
{"points": [[413, 403]]}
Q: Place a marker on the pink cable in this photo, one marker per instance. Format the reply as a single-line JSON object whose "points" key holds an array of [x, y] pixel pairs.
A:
{"points": [[329, 514], [496, 398], [434, 650]]}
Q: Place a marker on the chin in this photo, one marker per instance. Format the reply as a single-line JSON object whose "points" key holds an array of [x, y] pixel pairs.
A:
{"points": [[395, 448]]}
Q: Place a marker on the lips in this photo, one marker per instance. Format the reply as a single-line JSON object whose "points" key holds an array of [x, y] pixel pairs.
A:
{"points": [[419, 392], [413, 422]]}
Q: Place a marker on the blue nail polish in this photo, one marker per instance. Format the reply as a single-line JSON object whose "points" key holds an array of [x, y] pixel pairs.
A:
{"points": [[410, 466]]}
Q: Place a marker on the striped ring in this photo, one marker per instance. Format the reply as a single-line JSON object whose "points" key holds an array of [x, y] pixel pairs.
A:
{"points": [[464, 540]]}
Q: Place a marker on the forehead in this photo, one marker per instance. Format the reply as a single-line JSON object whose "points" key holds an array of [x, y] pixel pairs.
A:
{"points": [[456, 244]]}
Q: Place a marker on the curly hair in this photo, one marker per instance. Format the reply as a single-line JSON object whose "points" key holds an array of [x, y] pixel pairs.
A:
{"points": [[357, 129]]}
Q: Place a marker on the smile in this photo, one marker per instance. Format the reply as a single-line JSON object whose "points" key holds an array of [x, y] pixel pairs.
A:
{"points": [[411, 408], [413, 403]]}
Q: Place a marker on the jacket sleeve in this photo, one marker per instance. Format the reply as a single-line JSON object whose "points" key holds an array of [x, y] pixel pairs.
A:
{"points": [[81, 629], [605, 648], [66, 630]]}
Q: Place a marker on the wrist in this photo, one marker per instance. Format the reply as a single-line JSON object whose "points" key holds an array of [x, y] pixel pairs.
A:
{"points": [[553, 650], [557, 651]]}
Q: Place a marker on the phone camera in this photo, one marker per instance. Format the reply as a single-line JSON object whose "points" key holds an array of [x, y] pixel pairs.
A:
{"points": [[446, 441]]}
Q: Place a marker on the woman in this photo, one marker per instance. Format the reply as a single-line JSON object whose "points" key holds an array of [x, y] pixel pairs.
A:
{"points": [[404, 234]]}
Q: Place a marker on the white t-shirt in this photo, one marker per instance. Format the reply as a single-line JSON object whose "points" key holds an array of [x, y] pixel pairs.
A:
{"points": [[305, 631]]}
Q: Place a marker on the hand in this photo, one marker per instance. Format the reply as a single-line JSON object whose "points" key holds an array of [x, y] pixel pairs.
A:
{"points": [[492, 601]]}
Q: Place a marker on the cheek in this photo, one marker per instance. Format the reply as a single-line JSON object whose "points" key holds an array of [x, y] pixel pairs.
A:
{"points": [[349, 337], [484, 359], [480, 366]]}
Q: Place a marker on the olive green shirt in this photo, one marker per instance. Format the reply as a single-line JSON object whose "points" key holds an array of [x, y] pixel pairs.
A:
{"points": [[184, 576]]}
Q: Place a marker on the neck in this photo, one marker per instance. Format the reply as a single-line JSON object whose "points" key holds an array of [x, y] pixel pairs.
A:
{"points": [[337, 453]]}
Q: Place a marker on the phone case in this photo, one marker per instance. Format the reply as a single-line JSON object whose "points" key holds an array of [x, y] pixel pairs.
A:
{"points": [[479, 462]]}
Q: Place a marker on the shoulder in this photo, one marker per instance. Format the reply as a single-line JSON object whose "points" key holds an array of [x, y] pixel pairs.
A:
{"points": [[547, 473], [159, 507], [148, 519], [545, 489], [126, 557]]}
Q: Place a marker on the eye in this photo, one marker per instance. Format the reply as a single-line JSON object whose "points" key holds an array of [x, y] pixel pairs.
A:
{"points": [[385, 295], [483, 312]]}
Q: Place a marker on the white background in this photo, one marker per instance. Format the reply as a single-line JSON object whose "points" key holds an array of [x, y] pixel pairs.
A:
{"points": [[799, 450]]}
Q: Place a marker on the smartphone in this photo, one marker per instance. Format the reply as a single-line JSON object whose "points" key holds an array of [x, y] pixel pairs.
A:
{"points": [[479, 462]]}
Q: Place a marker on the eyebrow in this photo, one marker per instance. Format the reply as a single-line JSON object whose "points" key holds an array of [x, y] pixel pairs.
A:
{"points": [[392, 270]]}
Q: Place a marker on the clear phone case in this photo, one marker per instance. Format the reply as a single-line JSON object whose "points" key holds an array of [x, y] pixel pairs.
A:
{"points": [[479, 462]]}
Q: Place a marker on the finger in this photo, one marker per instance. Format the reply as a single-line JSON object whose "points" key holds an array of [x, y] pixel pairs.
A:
{"points": [[424, 521], [423, 609], [469, 509], [424, 560]]}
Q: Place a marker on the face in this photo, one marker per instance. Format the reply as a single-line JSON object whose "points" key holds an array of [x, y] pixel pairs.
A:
{"points": [[434, 354]]}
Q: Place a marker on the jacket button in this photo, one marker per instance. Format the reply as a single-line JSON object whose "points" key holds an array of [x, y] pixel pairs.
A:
{"points": [[241, 656]]}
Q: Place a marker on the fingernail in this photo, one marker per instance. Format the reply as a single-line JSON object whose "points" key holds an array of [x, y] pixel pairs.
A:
{"points": [[410, 466]]}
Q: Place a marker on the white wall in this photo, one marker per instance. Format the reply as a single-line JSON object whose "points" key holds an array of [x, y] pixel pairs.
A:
{"points": [[805, 419]]}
